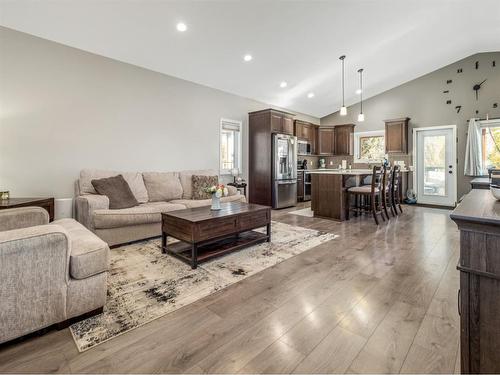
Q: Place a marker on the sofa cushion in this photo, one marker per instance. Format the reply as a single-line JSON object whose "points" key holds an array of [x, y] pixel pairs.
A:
{"points": [[145, 213], [162, 186], [89, 254], [201, 183], [191, 203], [134, 180], [186, 180], [117, 190]]}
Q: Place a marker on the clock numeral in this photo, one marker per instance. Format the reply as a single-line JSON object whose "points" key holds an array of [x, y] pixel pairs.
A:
{"points": [[458, 108], [446, 91], [495, 105], [493, 64], [459, 70], [448, 102], [477, 112], [449, 81], [477, 64]]}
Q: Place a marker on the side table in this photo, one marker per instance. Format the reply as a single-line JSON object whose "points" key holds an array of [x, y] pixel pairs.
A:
{"points": [[239, 186], [47, 203]]}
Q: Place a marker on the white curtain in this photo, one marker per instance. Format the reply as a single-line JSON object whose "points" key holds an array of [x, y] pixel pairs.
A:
{"points": [[473, 151]]}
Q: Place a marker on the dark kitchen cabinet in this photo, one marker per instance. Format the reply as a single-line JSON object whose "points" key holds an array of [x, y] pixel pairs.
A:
{"points": [[396, 136], [281, 122], [326, 141], [477, 217], [307, 132], [302, 130], [300, 185], [344, 140], [261, 126], [287, 127]]}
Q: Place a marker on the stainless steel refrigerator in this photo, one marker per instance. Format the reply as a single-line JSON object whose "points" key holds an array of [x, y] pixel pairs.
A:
{"points": [[284, 170]]}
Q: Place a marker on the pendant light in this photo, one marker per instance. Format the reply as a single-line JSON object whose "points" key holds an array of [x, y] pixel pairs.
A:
{"points": [[361, 116], [343, 109]]}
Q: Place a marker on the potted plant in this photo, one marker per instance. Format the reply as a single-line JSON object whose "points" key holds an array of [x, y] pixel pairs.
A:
{"points": [[217, 192]]}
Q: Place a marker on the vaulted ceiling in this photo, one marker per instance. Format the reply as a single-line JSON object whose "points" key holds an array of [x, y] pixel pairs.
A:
{"points": [[294, 41]]}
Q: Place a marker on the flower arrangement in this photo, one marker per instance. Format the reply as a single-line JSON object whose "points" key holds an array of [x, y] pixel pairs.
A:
{"points": [[219, 190]]}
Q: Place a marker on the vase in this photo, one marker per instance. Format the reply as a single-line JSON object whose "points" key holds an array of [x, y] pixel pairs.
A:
{"points": [[215, 203]]}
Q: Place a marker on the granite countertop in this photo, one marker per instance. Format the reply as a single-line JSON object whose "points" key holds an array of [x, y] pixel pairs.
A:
{"points": [[478, 206], [346, 172]]}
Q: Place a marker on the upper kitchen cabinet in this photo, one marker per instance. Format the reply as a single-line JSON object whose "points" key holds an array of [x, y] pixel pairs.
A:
{"points": [[281, 122], [344, 139], [326, 141], [303, 130], [396, 136]]}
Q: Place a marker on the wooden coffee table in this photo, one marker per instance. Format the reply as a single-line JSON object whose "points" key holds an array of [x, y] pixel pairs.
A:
{"points": [[205, 234]]}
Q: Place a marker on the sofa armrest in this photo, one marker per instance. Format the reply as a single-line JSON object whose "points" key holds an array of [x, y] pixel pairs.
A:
{"points": [[85, 205], [34, 278], [22, 217]]}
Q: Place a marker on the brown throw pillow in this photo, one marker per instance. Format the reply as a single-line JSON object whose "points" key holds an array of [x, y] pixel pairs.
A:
{"points": [[117, 190], [200, 183]]}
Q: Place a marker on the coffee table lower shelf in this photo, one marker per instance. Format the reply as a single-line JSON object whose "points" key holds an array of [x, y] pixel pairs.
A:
{"points": [[195, 253]]}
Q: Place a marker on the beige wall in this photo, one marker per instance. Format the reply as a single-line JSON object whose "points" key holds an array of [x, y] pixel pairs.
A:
{"points": [[62, 109], [424, 102]]}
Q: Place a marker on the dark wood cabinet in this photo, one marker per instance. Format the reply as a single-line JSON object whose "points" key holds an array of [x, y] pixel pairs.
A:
{"points": [[261, 126], [287, 124], [326, 141], [300, 185], [396, 136], [303, 130], [477, 217], [308, 132], [281, 122], [344, 140]]}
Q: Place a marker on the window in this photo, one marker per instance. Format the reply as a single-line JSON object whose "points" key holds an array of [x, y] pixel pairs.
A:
{"points": [[490, 142], [369, 146], [230, 145]]}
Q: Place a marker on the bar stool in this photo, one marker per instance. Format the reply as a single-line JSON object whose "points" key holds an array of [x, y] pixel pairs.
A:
{"points": [[386, 192], [395, 192], [370, 196]]}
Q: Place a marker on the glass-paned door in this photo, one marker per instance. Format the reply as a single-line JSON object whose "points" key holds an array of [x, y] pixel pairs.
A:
{"points": [[435, 161]]}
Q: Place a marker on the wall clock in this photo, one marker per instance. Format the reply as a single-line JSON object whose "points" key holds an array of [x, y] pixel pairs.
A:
{"points": [[477, 87]]}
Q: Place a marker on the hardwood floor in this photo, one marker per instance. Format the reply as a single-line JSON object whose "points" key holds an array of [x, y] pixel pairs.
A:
{"points": [[373, 300]]}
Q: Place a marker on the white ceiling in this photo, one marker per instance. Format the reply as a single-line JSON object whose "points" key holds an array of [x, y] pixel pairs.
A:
{"points": [[295, 41]]}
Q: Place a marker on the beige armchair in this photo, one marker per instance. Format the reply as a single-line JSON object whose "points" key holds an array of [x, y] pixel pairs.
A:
{"points": [[49, 273]]}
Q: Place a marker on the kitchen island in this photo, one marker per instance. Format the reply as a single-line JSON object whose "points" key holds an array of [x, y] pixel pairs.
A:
{"points": [[328, 190], [478, 219]]}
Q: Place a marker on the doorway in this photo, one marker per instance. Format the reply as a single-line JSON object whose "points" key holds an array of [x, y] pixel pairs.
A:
{"points": [[435, 177]]}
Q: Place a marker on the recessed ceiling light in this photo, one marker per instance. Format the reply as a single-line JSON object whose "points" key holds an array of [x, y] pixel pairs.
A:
{"points": [[181, 26], [247, 57], [310, 95], [358, 91], [283, 84]]}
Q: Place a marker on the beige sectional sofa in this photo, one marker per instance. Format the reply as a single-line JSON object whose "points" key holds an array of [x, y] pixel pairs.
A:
{"points": [[156, 192], [49, 273]]}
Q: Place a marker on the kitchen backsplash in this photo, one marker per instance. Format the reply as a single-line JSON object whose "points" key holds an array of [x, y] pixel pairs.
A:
{"points": [[334, 161]]}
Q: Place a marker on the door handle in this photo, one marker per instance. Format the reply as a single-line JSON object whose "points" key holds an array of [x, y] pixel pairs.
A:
{"points": [[459, 302]]}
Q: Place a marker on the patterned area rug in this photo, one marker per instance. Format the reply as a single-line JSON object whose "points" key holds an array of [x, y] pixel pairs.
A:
{"points": [[144, 284]]}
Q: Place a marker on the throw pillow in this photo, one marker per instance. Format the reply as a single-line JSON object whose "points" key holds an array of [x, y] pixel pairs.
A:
{"points": [[117, 190], [200, 183]]}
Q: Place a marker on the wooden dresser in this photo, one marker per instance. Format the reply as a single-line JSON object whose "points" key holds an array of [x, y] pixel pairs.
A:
{"points": [[478, 219]]}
